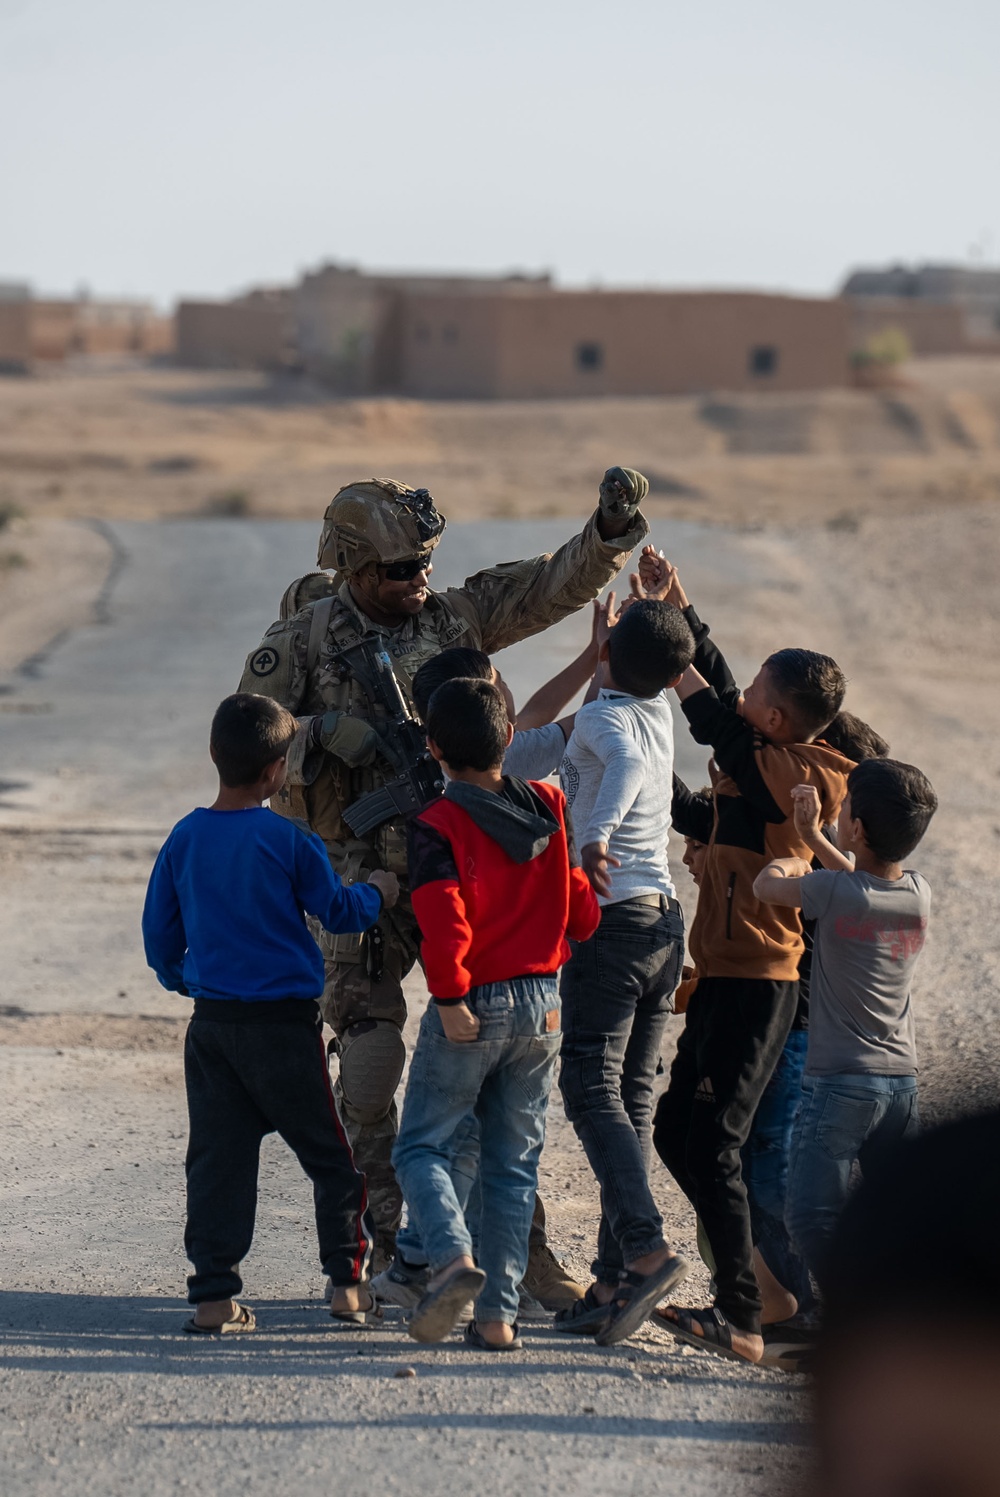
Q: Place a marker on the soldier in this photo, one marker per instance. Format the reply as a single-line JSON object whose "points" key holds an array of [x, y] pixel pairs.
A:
{"points": [[378, 536]]}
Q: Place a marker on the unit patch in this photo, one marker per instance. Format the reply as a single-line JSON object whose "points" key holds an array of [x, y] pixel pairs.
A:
{"points": [[264, 662]]}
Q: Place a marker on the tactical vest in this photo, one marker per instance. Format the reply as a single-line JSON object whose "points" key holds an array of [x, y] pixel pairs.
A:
{"points": [[332, 626]]}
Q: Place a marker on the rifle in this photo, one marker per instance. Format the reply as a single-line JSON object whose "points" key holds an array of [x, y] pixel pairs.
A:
{"points": [[418, 781]]}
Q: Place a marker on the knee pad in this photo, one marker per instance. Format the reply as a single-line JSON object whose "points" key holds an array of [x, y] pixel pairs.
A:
{"points": [[371, 1064]]}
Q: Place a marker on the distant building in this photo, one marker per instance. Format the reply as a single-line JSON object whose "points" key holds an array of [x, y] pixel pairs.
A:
{"points": [[521, 337], [15, 327], [940, 308], [254, 331], [39, 330], [349, 325], [550, 343]]}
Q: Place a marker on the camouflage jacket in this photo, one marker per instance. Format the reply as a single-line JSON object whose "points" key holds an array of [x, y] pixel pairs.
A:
{"points": [[495, 608]]}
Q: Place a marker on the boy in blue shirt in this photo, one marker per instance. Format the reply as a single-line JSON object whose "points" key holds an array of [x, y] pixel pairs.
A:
{"points": [[224, 924]]}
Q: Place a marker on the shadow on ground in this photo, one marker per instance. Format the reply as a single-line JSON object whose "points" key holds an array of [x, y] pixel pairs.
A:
{"points": [[104, 1334]]}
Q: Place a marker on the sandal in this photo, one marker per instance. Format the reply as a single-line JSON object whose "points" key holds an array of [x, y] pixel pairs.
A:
{"points": [[371, 1314], [637, 1297], [243, 1320], [717, 1337], [473, 1337], [585, 1317], [440, 1308]]}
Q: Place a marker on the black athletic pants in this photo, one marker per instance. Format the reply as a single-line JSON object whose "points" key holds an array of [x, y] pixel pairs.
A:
{"points": [[251, 1069], [734, 1032]]}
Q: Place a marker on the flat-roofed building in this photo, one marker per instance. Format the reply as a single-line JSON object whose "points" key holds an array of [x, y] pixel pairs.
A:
{"points": [[574, 343], [254, 331]]}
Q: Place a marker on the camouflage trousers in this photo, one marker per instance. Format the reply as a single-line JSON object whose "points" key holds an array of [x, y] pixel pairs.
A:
{"points": [[364, 1005]]}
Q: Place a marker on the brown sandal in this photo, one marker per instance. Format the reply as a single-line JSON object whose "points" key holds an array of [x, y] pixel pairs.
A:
{"points": [[243, 1320]]}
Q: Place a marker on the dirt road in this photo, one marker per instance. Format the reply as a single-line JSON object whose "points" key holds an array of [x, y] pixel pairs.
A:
{"points": [[103, 746]]}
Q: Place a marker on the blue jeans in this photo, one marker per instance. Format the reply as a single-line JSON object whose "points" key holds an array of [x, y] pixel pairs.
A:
{"points": [[766, 1161], [844, 1119], [503, 1079], [616, 995]]}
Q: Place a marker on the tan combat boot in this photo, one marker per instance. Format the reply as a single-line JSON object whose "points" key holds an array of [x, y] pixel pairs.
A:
{"points": [[548, 1282]]}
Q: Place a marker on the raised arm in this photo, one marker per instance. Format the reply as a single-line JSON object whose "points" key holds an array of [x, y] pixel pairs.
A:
{"points": [[732, 739], [549, 700], [807, 810], [516, 599], [659, 578]]}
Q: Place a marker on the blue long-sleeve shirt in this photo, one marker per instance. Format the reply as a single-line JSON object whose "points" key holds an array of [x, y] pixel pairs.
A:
{"points": [[226, 905]]}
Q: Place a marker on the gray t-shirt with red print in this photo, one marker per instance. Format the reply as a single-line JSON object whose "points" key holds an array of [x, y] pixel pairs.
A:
{"points": [[869, 934]]}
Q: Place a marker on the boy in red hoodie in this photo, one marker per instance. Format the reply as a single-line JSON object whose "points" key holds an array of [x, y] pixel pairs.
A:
{"points": [[496, 891]]}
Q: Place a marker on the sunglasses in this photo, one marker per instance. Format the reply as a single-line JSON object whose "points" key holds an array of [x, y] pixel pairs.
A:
{"points": [[405, 571]]}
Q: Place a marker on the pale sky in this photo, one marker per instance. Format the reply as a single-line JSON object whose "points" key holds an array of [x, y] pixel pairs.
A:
{"points": [[197, 147]]}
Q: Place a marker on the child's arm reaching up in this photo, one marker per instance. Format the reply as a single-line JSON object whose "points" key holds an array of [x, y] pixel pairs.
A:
{"points": [[549, 700], [659, 578], [807, 811]]}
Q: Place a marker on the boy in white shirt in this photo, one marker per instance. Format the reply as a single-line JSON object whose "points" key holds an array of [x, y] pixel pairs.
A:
{"points": [[617, 776]]}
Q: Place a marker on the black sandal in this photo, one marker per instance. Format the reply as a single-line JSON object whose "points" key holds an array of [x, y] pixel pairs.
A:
{"points": [[437, 1313], [717, 1334], [637, 1297], [474, 1338], [585, 1317]]}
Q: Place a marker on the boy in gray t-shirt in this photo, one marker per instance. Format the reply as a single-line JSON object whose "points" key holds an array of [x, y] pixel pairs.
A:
{"points": [[860, 1086]]}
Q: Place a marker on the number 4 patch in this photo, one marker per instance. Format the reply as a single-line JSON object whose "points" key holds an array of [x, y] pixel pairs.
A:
{"points": [[264, 662]]}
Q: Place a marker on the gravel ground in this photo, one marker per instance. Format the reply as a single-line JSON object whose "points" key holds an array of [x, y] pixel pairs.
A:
{"points": [[105, 748]]}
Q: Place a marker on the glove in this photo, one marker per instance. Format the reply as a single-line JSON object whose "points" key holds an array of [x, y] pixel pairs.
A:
{"points": [[622, 491], [348, 738]]}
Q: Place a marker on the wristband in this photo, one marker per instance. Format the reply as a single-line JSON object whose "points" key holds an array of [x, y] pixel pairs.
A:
{"points": [[450, 1002]]}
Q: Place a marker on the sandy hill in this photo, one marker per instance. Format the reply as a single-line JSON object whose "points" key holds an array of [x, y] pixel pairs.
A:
{"points": [[147, 443]]}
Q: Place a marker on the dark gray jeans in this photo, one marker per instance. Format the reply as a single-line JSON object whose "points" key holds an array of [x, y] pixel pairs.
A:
{"points": [[616, 993], [261, 1068]]}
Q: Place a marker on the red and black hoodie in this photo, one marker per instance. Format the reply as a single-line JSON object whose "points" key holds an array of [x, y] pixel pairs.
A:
{"points": [[496, 885]]}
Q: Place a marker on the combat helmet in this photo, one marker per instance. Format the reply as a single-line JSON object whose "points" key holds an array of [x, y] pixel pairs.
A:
{"points": [[380, 520]]}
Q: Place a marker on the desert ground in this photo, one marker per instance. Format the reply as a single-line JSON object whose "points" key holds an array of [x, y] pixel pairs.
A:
{"points": [[151, 522]]}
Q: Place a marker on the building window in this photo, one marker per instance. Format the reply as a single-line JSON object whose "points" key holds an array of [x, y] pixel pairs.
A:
{"points": [[421, 333], [763, 359], [589, 355], [449, 332]]}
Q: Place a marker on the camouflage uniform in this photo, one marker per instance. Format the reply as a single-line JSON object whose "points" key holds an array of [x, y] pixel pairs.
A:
{"points": [[294, 664]]}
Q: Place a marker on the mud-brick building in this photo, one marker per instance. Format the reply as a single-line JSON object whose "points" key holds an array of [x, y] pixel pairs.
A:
{"points": [[254, 331], [520, 337], [553, 343], [941, 309]]}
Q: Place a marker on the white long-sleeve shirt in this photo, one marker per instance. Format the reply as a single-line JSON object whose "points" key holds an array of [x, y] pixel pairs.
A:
{"points": [[617, 776]]}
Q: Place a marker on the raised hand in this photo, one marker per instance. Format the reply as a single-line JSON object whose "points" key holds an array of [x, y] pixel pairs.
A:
{"points": [[806, 809]]}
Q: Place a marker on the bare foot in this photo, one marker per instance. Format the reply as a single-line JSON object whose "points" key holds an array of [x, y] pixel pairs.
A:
{"points": [[214, 1312], [650, 1262], [496, 1332], [351, 1297], [750, 1348], [778, 1302]]}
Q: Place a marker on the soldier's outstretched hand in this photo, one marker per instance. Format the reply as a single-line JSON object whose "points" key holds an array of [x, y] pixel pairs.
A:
{"points": [[387, 884]]}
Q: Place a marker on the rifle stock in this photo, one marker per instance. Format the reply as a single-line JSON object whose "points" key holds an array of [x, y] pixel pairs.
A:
{"points": [[419, 781]]}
